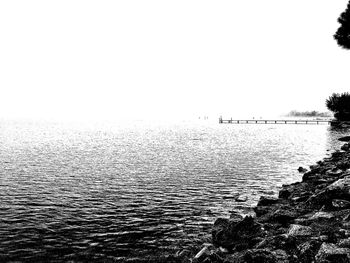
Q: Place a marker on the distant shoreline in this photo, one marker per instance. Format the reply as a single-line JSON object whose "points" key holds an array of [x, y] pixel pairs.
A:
{"points": [[313, 114]]}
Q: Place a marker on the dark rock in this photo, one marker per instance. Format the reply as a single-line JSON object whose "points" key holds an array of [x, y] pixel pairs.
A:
{"points": [[299, 231], [322, 216], [319, 216], [215, 258], [343, 165], [315, 218], [340, 189], [298, 199], [242, 234], [259, 255], [234, 216], [347, 217], [284, 215], [281, 256], [344, 243], [282, 241], [253, 256], [261, 210], [308, 250], [184, 253], [345, 147], [314, 167], [284, 193], [344, 139], [220, 233], [267, 200], [310, 176], [201, 255], [302, 170], [237, 257], [340, 204], [334, 172], [331, 253]]}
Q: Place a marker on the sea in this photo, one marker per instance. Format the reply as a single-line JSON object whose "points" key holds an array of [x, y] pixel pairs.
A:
{"points": [[108, 191]]}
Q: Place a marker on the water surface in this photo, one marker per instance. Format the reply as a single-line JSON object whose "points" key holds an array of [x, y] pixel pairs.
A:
{"points": [[106, 191]]}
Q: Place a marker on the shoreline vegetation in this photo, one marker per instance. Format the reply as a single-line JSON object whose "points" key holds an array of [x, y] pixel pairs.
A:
{"points": [[309, 221], [314, 114]]}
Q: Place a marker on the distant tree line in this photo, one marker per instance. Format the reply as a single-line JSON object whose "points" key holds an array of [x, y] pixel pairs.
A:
{"points": [[314, 113]]}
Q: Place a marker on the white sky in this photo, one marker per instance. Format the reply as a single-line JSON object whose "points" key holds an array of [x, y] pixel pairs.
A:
{"points": [[153, 59]]}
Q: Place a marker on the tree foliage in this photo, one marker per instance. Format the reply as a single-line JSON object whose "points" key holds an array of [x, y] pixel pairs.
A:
{"points": [[342, 35], [340, 105]]}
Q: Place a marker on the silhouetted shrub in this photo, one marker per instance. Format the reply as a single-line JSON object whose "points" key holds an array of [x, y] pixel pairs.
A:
{"points": [[343, 33], [340, 105]]}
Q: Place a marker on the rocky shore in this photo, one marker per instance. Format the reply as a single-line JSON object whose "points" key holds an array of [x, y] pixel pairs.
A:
{"points": [[308, 222]]}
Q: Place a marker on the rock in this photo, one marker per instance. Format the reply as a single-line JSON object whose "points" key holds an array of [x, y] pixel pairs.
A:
{"points": [[344, 232], [302, 170], [342, 184], [344, 165], [347, 217], [334, 172], [284, 215], [299, 231], [201, 254], [281, 256], [261, 210], [260, 255], [234, 216], [267, 200], [344, 243], [340, 189], [321, 216], [282, 241], [185, 253], [241, 198], [237, 257], [318, 218], [240, 235], [344, 139], [252, 256], [284, 193], [214, 257], [323, 238], [314, 167], [223, 250], [340, 204], [308, 250], [299, 199], [345, 147], [330, 253], [220, 231], [311, 176]]}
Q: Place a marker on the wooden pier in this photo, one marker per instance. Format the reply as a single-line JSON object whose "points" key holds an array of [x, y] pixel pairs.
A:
{"points": [[232, 121]]}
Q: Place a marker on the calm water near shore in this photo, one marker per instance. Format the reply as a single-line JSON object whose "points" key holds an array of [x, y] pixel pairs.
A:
{"points": [[99, 191]]}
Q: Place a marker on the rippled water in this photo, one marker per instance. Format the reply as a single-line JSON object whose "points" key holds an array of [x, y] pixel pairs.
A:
{"points": [[104, 191]]}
